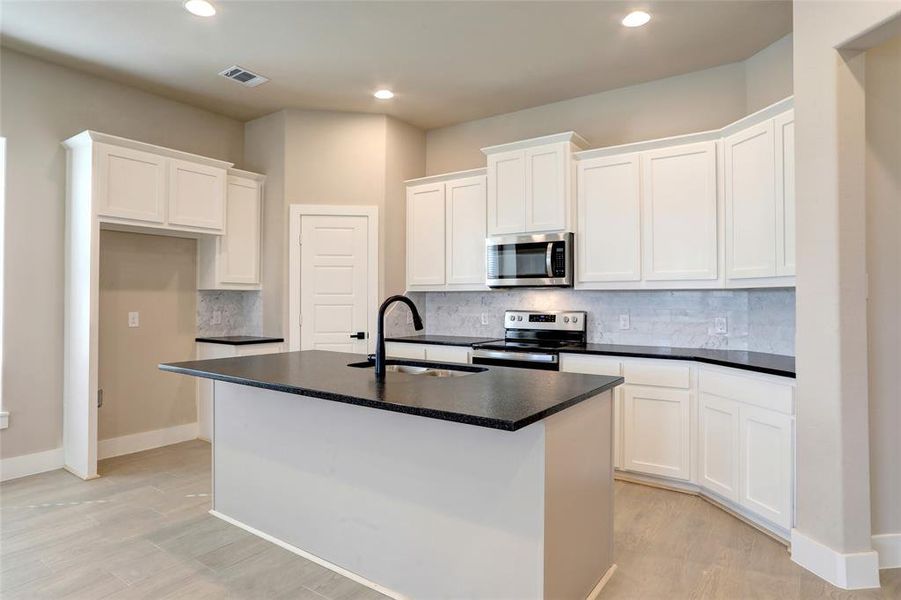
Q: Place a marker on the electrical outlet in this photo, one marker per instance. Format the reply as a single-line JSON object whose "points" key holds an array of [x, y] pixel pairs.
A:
{"points": [[217, 317], [134, 319], [485, 318], [409, 317], [624, 321], [720, 325]]}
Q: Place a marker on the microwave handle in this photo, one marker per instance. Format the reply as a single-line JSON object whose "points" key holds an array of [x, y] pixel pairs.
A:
{"points": [[547, 259]]}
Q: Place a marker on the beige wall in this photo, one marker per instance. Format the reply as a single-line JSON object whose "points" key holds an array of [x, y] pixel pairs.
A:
{"points": [[42, 104], [331, 158], [697, 101], [883, 89], [833, 485], [157, 277]]}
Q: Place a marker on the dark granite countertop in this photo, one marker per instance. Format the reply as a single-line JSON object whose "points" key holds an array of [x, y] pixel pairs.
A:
{"points": [[759, 362], [441, 340], [497, 398], [239, 340]]}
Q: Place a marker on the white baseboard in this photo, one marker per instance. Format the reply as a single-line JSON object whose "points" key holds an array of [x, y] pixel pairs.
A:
{"points": [[31, 464], [852, 571], [146, 440], [311, 557], [888, 546], [600, 586]]}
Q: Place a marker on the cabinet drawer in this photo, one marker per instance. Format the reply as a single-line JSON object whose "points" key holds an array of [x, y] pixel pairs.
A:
{"points": [[768, 394], [657, 373], [401, 350], [591, 365], [448, 354]]}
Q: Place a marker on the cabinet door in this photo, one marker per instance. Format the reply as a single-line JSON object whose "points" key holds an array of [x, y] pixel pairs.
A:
{"points": [[718, 445], [465, 214], [656, 431], [609, 219], [546, 181], [601, 365], [766, 464], [239, 248], [196, 195], [506, 193], [750, 197], [784, 126], [448, 354], [425, 235], [130, 184], [679, 213], [402, 350]]}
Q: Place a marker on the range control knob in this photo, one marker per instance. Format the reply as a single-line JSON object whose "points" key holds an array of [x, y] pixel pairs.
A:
{"points": [[566, 319], [519, 318], [575, 319], [512, 317]]}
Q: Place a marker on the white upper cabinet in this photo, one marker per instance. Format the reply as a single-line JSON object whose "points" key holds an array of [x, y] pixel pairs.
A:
{"points": [[750, 194], [232, 261], [530, 184], [507, 193], [679, 213], [759, 189], [784, 126], [145, 186], [196, 195], [608, 232], [425, 235], [131, 184], [446, 232], [465, 223]]}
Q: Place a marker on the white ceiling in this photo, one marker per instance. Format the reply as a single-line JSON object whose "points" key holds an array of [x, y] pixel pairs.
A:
{"points": [[447, 61]]}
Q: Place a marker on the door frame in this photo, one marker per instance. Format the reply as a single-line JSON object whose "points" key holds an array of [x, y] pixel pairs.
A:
{"points": [[295, 213]]}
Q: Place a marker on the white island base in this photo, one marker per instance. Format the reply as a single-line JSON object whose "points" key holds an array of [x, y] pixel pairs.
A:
{"points": [[417, 507]]}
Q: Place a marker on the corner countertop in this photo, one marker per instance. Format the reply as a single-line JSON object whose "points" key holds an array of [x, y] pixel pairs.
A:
{"points": [[758, 362], [239, 340], [441, 340], [497, 397]]}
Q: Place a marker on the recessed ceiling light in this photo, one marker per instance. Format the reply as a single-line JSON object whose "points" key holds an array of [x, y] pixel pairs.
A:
{"points": [[636, 18], [384, 94], [201, 8]]}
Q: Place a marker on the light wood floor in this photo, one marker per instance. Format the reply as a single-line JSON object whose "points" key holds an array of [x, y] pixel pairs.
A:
{"points": [[142, 531]]}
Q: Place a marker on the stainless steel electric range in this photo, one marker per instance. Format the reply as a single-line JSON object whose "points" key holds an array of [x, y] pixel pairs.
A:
{"points": [[533, 339]]}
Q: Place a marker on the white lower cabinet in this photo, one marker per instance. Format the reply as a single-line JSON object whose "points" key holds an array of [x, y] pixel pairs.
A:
{"points": [[434, 352], [657, 430], [207, 350], [736, 445]]}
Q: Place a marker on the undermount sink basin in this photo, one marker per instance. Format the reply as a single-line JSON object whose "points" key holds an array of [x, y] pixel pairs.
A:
{"points": [[412, 368]]}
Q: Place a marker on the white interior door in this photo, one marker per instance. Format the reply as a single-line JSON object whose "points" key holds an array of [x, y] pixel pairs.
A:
{"points": [[334, 282]]}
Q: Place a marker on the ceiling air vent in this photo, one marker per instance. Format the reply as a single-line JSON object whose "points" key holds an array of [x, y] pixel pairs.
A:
{"points": [[243, 76]]}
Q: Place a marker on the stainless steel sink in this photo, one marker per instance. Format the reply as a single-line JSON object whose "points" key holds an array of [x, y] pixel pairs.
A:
{"points": [[424, 369]]}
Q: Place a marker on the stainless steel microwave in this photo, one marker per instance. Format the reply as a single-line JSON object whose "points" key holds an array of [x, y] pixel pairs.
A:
{"points": [[541, 260]]}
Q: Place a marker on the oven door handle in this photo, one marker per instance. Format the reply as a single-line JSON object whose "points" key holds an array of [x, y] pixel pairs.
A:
{"points": [[547, 259], [505, 355]]}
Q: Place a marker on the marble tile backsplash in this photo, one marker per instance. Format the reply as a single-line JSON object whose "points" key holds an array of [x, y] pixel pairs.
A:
{"points": [[229, 312], [759, 320]]}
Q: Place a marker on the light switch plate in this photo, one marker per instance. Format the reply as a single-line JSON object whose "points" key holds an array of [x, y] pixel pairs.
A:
{"points": [[625, 321], [217, 317], [485, 317], [720, 325], [134, 319]]}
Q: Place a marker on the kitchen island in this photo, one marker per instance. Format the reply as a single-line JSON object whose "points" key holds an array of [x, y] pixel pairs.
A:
{"points": [[489, 483]]}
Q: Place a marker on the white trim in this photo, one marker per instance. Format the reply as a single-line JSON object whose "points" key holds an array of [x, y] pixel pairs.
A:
{"points": [[600, 586], [87, 136], [4, 420], [311, 557], [852, 571], [567, 136], [888, 546], [31, 464], [4, 416], [448, 176], [146, 440], [295, 212]]}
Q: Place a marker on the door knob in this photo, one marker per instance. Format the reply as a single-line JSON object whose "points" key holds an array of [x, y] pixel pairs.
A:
{"points": [[360, 335]]}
